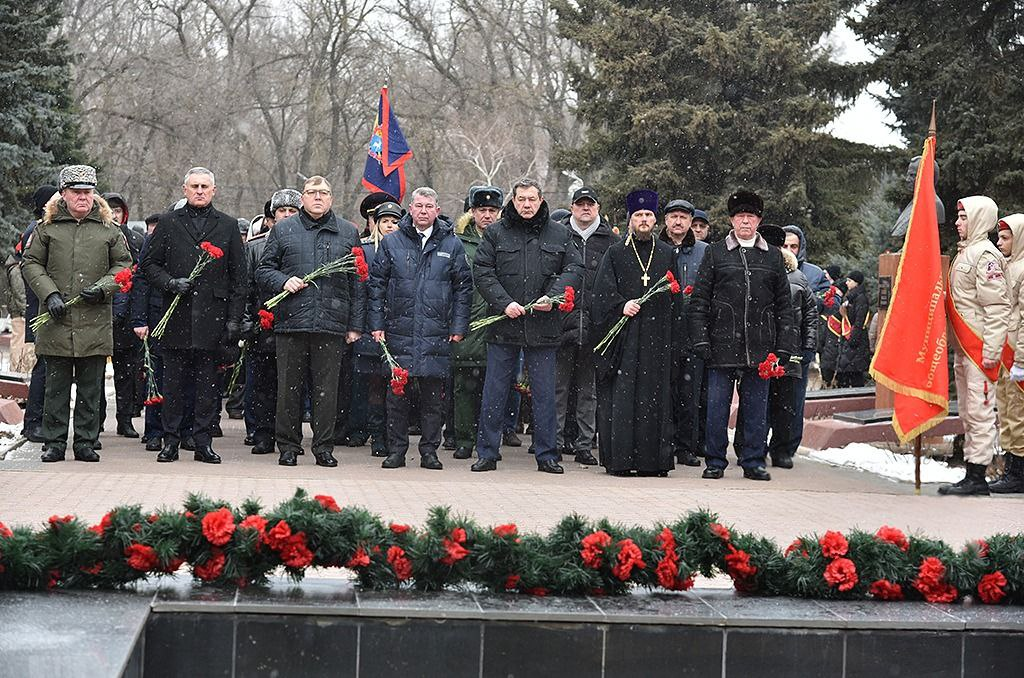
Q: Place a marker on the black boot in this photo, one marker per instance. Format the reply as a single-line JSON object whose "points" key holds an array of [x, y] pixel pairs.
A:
{"points": [[52, 453], [972, 484], [85, 453], [325, 458], [205, 454], [1012, 480], [378, 448], [463, 452], [263, 446], [189, 444], [154, 445], [125, 429], [169, 453]]}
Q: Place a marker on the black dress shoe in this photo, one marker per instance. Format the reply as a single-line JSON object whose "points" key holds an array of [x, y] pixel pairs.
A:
{"points": [[378, 449], [51, 454], [586, 458], [358, 440], [287, 458], [394, 461], [168, 453], [712, 473], [510, 439], [189, 444], [205, 454], [687, 458], [249, 440], [325, 458], [756, 473], [216, 432], [782, 461], [463, 452], [86, 453], [97, 445], [484, 465], [431, 462], [125, 429], [263, 447], [34, 436], [153, 445], [449, 444], [549, 467]]}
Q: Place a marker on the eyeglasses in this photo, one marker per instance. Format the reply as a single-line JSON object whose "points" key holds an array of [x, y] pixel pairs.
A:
{"points": [[317, 191]]}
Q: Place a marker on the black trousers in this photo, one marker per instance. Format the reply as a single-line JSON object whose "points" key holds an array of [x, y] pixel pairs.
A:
{"points": [[432, 411], [127, 362], [184, 368], [688, 392], [850, 379], [36, 395], [87, 375], [781, 416], [263, 365], [321, 354]]}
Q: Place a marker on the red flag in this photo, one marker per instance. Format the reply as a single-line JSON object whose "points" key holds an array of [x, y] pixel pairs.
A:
{"points": [[911, 356]]}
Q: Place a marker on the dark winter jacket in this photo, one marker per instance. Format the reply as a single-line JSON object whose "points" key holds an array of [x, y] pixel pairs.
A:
{"points": [[368, 358], [297, 246], [815, 275], [263, 340], [828, 332], [854, 349], [741, 309], [576, 326], [146, 305], [520, 261], [688, 255], [122, 300], [31, 300], [472, 350], [218, 294], [421, 297], [805, 314]]}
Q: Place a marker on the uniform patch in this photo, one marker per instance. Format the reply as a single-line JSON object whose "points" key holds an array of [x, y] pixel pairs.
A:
{"points": [[993, 271], [446, 255]]}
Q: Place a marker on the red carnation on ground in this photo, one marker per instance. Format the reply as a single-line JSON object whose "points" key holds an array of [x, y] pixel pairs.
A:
{"points": [[833, 544], [211, 249], [212, 568], [141, 557], [295, 553], [894, 536], [399, 563], [6, 533], [770, 368], [570, 301], [883, 589], [278, 535], [174, 564], [630, 556], [218, 526], [254, 522], [512, 582], [739, 568], [990, 588], [720, 531], [327, 501], [930, 582], [842, 574], [124, 280], [688, 290], [673, 284], [94, 569], [593, 546], [57, 521], [506, 530], [454, 552], [266, 320], [398, 528], [667, 571], [359, 559]]}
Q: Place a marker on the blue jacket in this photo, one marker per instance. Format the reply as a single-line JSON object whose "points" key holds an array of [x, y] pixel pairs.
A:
{"points": [[121, 304], [146, 304], [421, 297], [367, 356]]}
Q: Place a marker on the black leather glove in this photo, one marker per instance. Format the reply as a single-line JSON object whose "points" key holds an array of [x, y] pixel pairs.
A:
{"points": [[783, 357], [179, 286], [93, 295], [232, 332], [55, 306]]}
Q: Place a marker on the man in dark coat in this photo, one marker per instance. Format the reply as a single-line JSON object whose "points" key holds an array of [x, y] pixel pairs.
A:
{"points": [[739, 313], [315, 321], [525, 257], [689, 396], [76, 251], [127, 358], [421, 290], [634, 400], [209, 312], [854, 351]]}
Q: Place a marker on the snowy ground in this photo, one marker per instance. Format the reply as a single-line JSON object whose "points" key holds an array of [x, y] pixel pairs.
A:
{"points": [[887, 464]]}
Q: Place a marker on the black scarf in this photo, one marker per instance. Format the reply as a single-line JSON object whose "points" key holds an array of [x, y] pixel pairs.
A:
{"points": [[535, 223], [198, 216]]}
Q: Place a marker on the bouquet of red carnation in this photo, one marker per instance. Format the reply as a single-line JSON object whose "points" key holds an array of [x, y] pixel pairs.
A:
{"points": [[123, 277], [667, 283], [209, 253], [266, 320], [566, 301], [399, 375], [770, 368], [153, 396], [688, 290], [829, 299], [350, 263]]}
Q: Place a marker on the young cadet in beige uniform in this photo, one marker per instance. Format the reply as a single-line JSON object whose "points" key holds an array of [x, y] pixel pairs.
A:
{"points": [[978, 307], [1010, 389]]}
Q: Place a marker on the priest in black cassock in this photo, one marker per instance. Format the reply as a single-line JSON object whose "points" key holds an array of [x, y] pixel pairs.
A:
{"points": [[634, 416]]}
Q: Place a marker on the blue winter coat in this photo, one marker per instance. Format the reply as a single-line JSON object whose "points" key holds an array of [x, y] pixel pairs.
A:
{"points": [[367, 353], [421, 297]]}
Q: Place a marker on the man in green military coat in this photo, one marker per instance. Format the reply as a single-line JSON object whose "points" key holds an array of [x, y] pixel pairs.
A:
{"points": [[469, 356], [75, 252]]}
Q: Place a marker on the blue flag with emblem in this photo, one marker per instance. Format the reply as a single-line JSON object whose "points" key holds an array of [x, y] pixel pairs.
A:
{"points": [[387, 153]]}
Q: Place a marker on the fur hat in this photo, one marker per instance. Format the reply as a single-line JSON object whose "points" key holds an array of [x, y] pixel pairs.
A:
{"points": [[286, 197], [745, 201]]}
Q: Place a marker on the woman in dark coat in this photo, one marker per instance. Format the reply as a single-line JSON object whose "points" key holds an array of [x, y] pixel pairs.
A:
{"points": [[854, 349]]}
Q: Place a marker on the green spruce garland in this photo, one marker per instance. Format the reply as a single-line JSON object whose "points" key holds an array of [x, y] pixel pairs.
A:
{"points": [[243, 546]]}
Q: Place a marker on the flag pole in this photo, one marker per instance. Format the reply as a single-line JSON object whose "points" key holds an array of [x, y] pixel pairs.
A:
{"points": [[917, 464]]}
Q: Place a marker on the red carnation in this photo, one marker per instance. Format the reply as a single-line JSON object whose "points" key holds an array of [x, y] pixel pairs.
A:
{"points": [[399, 563], [124, 280], [507, 530], [359, 559], [593, 545], [883, 589], [141, 557], [454, 551], [570, 300], [792, 547], [982, 548], [668, 572], [327, 501], [266, 320], [720, 531], [842, 574], [295, 553], [254, 522], [278, 535], [211, 249], [104, 523], [57, 521], [830, 297], [362, 270], [538, 591], [6, 533], [894, 536], [673, 284], [770, 368], [212, 568], [399, 378], [398, 528], [688, 290], [738, 565], [629, 557], [511, 582], [174, 564], [930, 582], [990, 588], [94, 569], [218, 526], [833, 544]]}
